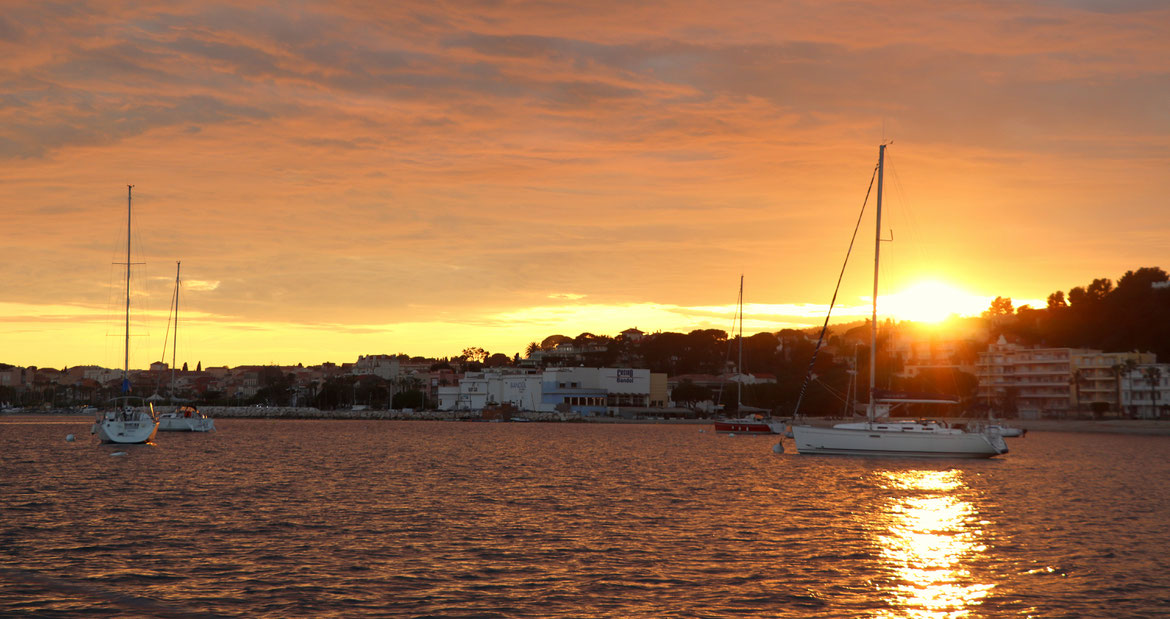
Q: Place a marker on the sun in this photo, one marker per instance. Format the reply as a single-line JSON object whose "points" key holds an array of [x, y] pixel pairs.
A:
{"points": [[931, 301]]}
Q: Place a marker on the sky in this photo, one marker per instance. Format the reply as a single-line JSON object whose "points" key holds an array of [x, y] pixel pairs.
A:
{"points": [[350, 178]]}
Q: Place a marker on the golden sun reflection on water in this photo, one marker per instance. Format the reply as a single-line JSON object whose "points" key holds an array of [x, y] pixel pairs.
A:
{"points": [[927, 536]]}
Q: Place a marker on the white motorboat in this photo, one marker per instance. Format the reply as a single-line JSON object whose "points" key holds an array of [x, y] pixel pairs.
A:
{"points": [[126, 423], [880, 435]]}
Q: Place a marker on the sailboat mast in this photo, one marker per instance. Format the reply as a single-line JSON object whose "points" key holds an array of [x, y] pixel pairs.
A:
{"points": [[175, 344], [739, 366], [871, 411], [126, 356]]}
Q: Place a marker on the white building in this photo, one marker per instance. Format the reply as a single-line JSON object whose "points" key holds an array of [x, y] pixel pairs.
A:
{"points": [[1051, 381], [1145, 391], [595, 391], [382, 366], [478, 390], [588, 391]]}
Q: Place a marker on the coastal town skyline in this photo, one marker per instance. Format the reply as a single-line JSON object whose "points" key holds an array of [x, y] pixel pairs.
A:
{"points": [[342, 179]]}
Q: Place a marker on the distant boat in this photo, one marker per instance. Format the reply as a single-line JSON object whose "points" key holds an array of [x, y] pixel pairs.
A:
{"points": [[125, 423], [879, 435], [752, 420], [1007, 431], [747, 425], [183, 418]]}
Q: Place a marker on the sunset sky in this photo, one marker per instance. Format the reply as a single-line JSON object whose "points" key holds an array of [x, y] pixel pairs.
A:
{"points": [[380, 177]]}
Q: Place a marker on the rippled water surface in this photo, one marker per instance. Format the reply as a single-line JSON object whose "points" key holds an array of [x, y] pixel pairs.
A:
{"points": [[352, 518]]}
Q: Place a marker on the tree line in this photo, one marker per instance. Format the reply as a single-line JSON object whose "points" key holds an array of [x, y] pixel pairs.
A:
{"points": [[1131, 315]]}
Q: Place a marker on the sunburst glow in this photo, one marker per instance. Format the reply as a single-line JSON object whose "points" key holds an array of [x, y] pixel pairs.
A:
{"points": [[931, 301]]}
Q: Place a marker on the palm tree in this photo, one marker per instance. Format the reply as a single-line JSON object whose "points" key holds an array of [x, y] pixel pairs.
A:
{"points": [[1116, 367], [1078, 380], [1153, 378], [1122, 369]]}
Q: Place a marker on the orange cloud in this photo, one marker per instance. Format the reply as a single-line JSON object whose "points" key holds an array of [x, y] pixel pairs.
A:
{"points": [[414, 164]]}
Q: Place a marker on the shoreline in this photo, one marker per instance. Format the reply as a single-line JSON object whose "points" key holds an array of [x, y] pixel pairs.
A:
{"points": [[1140, 427]]}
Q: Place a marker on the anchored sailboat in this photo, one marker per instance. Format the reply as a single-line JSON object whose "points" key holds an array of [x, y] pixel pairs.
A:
{"points": [[126, 423], [879, 435], [186, 418], [751, 420]]}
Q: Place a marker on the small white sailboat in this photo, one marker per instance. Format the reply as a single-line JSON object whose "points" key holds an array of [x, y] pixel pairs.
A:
{"points": [[880, 435], [182, 418], [126, 423]]}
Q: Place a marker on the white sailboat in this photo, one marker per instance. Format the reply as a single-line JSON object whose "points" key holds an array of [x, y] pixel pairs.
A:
{"points": [[879, 435], [125, 423], [182, 418]]}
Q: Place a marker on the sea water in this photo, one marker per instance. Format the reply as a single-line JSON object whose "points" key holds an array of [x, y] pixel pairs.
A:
{"points": [[284, 518]]}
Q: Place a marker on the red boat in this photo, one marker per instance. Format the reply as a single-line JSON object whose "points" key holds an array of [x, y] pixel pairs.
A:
{"points": [[754, 422]]}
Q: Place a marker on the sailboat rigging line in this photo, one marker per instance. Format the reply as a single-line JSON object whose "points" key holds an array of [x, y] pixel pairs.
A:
{"points": [[906, 215], [832, 392], [825, 327], [727, 356], [167, 335]]}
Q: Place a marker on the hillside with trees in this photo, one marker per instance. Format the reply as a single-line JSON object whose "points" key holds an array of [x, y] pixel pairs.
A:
{"points": [[1132, 315]]}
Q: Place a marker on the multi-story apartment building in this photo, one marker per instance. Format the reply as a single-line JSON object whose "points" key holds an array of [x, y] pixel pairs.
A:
{"points": [[1051, 381]]}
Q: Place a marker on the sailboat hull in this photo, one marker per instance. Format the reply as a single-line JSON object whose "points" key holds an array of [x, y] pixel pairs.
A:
{"points": [[744, 426], [131, 430], [174, 423], [873, 442]]}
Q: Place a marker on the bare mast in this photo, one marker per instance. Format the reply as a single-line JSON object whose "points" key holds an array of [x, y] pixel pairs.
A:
{"points": [[126, 357], [175, 343], [871, 411], [739, 366]]}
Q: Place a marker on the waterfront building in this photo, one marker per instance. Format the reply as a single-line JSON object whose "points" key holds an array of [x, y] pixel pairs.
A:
{"points": [[579, 390], [479, 390], [1046, 382], [595, 391], [659, 390]]}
